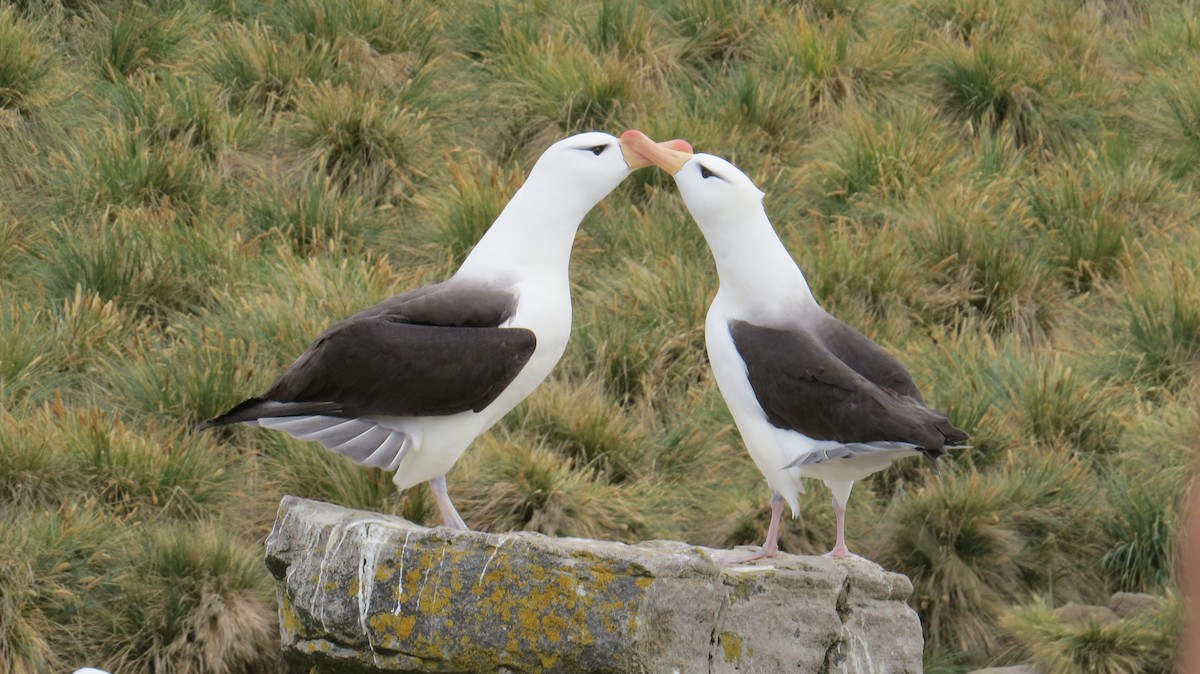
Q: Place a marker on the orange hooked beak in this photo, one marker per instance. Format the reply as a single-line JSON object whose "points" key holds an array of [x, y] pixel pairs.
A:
{"points": [[669, 156], [639, 151]]}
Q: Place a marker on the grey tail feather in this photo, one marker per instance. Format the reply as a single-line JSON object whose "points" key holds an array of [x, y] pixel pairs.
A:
{"points": [[259, 408], [932, 456]]}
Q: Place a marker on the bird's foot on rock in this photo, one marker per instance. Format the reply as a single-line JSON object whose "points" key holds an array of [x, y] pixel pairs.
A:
{"points": [[841, 552]]}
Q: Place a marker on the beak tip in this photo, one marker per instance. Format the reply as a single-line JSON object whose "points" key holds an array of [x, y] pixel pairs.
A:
{"points": [[633, 135], [680, 145]]}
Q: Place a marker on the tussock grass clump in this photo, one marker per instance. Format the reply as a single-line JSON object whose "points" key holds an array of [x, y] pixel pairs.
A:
{"points": [[988, 269], [160, 473], [313, 216], [1141, 549], [715, 31], [24, 369], [145, 261], [357, 135], [138, 39], [578, 420], [56, 564], [170, 109], [1142, 643], [1058, 404], [632, 30], [657, 347], [187, 597], [882, 156], [516, 484], [133, 476], [1093, 213], [125, 167], [565, 86], [823, 63], [265, 73], [857, 270], [411, 28], [197, 607], [187, 377], [972, 20], [764, 102], [990, 86], [972, 542], [1178, 126], [25, 62], [1162, 311], [46, 350]]}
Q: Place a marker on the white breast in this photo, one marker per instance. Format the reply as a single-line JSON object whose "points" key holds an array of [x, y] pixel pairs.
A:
{"points": [[759, 436]]}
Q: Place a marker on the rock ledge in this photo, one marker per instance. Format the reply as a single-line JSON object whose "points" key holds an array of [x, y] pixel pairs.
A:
{"points": [[363, 592]]}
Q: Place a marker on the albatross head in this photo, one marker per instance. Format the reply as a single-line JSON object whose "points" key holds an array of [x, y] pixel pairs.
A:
{"points": [[589, 165], [715, 191]]}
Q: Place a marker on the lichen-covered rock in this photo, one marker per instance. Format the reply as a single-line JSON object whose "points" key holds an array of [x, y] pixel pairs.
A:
{"points": [[362, 592]]}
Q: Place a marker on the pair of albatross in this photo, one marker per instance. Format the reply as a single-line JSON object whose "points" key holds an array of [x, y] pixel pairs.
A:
{"points": [[408, 384]]}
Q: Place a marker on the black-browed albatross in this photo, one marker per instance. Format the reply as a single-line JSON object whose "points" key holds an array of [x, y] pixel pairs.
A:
{"points": [[409, 383], [811, 396]]}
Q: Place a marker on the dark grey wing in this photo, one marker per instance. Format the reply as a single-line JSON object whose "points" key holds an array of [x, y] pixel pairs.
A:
{"points": [[865, 357], [449, 304], [434, 351], [380, 365], [803, 387]]}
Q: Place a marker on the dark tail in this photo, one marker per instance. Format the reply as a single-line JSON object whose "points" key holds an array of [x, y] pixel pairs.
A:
{"points": [[260, 408], [954, 439]]}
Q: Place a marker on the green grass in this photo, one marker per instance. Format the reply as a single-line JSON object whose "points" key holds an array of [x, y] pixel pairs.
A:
{"points": [[998, 192], [137, 40], [25, 62], [1134, 644]]}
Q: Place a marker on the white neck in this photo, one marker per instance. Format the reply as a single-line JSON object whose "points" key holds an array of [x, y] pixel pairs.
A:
{"points": [[533, 234], [755, 269]]}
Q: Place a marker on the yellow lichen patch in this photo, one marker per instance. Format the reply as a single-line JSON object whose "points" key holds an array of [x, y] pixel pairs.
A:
{"points": [[732, 644], [287, 614], [384, 573], [399, 626]]}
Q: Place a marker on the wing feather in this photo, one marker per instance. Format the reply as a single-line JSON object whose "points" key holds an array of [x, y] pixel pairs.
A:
{"points": [[804, 387]]}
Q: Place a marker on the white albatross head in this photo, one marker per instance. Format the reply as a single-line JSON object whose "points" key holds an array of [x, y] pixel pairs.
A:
{"points": [[587, 166], [754, 266], [717, 193], [537, 226]]}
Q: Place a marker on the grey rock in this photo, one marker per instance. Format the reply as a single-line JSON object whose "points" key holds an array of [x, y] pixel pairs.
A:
{"points": [[1077, 614], [363, 592], [1130, 604]]}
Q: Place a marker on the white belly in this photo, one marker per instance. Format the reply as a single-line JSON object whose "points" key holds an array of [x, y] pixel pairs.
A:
{"points": [[759, 436]]}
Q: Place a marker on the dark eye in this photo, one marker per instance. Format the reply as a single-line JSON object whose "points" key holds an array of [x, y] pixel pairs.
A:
{"points": [[598, 149], [705, 173]]}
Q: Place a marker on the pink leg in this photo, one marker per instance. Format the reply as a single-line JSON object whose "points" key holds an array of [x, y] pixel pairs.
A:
{"points": [[839, 551], [449, 515], [770, 547]]}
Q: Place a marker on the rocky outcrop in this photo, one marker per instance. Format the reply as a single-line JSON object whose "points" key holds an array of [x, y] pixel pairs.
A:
{"points": [[363, 592]]}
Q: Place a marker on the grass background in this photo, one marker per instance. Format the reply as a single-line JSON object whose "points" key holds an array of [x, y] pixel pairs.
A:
{"points": [[1000, 191]]}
